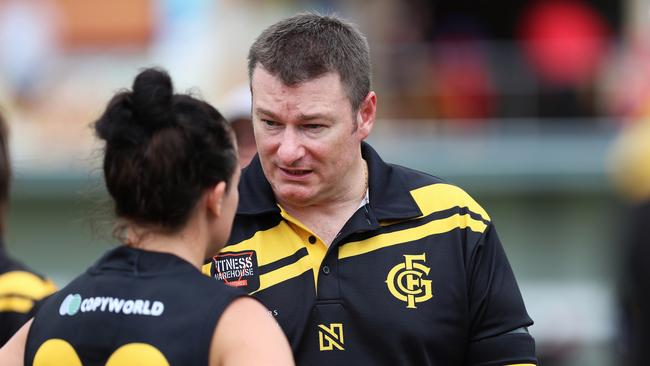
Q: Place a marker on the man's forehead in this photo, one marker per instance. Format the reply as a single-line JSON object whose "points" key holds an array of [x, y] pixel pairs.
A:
{"points": [[261, 76]]}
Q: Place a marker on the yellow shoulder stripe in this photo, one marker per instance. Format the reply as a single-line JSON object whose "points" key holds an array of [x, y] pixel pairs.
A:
{"points": [[270, 245], [285, 273], [440, 196], [456, 221], [16, 304], [25, 284]]}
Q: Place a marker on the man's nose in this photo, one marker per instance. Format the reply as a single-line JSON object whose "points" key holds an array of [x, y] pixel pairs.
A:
{"points": [[291, 148]]}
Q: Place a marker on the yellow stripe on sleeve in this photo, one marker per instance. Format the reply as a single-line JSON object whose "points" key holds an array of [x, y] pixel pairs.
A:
{"points": [[25, 284], [440, 196], [16, 304], [456, 221]]}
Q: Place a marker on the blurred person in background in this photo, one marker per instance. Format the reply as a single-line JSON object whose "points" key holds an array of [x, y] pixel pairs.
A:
{"points": [[237, 110], [21, 289], [360, 261], [170, 165], [630, 166]]}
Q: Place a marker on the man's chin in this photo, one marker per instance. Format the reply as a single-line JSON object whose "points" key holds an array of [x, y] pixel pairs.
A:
{"points": [[294, 198]]}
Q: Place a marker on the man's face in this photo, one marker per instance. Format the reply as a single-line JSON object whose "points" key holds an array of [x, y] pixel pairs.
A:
{"points": [[306, 137]]}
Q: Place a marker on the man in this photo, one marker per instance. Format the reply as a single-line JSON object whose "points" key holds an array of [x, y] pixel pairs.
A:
{"points": [[20, 288], [361, 262]]}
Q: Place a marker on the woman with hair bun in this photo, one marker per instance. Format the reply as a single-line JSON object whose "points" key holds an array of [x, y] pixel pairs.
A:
{"points": [[170, 166]]}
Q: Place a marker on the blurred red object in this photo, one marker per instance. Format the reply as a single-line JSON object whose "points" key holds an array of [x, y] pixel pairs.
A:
{"points": [[463, 83], [565, 41]]}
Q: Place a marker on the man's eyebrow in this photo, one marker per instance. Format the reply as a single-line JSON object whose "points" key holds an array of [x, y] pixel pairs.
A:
{"points": [[310, 117], [301, 117], [263, 111]]}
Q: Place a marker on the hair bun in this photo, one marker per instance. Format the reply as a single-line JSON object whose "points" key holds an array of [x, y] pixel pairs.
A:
{"points": [[151, 100]]}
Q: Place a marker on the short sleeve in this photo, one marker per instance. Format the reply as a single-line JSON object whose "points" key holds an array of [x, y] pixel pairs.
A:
{"points": [[499, 321]]}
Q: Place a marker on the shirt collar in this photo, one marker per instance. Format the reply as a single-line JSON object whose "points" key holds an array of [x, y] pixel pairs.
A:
{"points": [[389, 197]]}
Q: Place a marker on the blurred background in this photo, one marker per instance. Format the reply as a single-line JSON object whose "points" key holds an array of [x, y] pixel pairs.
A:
{"points": [[534, 107]]}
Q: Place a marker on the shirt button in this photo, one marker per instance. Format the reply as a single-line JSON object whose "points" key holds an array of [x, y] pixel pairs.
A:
{"points": [[312, 239], [326, 270]]}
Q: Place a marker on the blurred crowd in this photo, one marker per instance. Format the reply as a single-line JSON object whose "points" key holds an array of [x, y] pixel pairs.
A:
{"points": [[458, 60]]}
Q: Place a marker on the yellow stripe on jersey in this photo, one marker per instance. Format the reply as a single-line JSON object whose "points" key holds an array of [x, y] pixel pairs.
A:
{"points": [[274, 244], [270, 245], [522, 364], [16, 304], [439, 197], [25, 284], [456, 221], [285, 273]]}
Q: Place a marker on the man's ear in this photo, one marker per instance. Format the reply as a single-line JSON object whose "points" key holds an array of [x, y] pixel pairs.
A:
{"points": [[366, 115], [215, 197]]}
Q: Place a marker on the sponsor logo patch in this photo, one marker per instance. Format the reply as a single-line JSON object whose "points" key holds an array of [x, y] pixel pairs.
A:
{"points": [[237, 269], [73, 303]]}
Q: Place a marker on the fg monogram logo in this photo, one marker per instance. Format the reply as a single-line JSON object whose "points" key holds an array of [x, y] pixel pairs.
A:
{"points": [[407, 283], [330, 337]]}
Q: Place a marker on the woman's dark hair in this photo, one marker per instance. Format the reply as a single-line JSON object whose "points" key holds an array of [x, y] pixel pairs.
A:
{"points": [[162, 151]]}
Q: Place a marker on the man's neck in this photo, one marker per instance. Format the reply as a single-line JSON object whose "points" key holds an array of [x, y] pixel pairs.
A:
{"points": [[327, 218]]}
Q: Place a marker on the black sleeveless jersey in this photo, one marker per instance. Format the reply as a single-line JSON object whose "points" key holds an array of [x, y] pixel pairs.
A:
{"points": [[132, 307]]}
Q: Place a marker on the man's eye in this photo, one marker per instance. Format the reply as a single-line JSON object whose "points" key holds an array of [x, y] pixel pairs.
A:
{"points": [[269, 123], [314, 127]]}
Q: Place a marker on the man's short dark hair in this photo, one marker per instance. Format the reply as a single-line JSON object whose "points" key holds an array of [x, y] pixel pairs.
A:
{"points": [[309, 45]]}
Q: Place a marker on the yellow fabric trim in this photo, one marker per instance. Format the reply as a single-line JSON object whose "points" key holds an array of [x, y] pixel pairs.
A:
{"points": [[456, 221], [440, 196], [16, 304], [316, 251], [270, 245], [25, 284], [522, 364], [205, 269], [284, 273], [276, 243]]}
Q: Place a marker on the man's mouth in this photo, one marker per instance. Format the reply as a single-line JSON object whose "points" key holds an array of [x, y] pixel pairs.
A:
{"points": [[295, 172]]}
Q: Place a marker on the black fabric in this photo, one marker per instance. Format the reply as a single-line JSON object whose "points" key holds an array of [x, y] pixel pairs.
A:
{"points": [[95, 329], [636, 283]]}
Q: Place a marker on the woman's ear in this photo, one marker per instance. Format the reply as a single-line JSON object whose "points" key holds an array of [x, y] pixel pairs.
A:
{"points": [[215, 198]]}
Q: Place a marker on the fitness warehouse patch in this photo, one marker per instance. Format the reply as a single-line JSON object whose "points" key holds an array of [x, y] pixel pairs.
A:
{"points": [[237, 269]]}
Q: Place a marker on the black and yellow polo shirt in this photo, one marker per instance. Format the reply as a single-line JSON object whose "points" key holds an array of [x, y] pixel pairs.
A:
{"points": [[416, 277], [20, 293]]}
